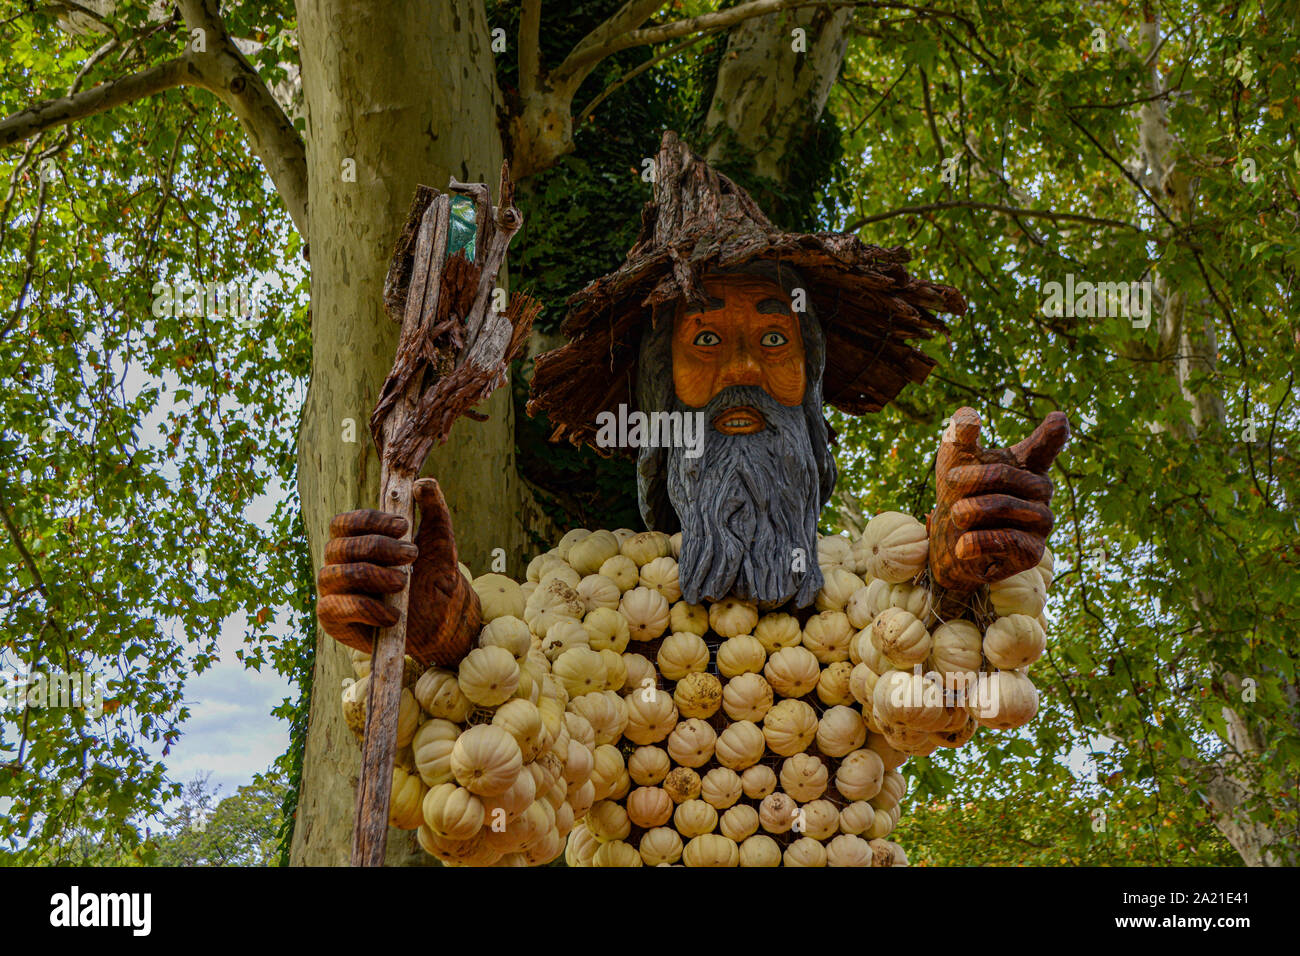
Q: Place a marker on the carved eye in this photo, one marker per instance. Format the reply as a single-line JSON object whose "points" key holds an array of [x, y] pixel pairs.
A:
{"points": [[773, 339], [707, 338]]}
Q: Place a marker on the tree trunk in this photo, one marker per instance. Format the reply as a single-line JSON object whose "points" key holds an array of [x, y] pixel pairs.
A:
{"points": [[408, 93], [768, 95]]}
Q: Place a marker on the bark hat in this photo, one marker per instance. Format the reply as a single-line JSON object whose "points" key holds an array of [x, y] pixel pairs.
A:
{"points": [[868, 305]]}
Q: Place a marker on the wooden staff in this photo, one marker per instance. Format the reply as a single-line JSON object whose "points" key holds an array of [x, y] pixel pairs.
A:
{"points": [[453, 352]]}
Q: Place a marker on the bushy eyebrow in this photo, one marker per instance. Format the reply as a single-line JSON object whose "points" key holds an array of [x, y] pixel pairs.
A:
{"points": [[712, 305], [773, 307]]}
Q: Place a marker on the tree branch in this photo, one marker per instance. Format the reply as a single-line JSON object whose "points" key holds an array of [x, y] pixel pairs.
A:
{"points": [[990, 207], [99, 99], [530, 61], [228, 74]]}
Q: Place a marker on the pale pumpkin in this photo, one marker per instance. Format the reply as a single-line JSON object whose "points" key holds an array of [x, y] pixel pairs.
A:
{"points": [[682, 654], [955, 652], [740, 745], [523, 721], [900, 636], [563, 634], [485, 761], [833, 687], [598, 591], [606, 769], [556, 597], [760, 850], [641, 675], [720, 788], [915, 701], [805, 851], [651, 716], [606, 712], [893, 787], [894, 547], [645, 547], [840, 731], [622, 571], [692, 742], [498, 596], [711, 850], [578, 762], [581, 797], [682, 783], [838, 585], [1022, 593], [661, 575], [581, 848], [758, 781], [857, 817], [743, 654], [488, 676], [452, 812], [803, 777], [439, 695], [504, 808], [691, 618], [891, 758], [860, 775], [566, 543], [432, 746], [649, 807], [789, 727], [580, 729], [792, 671], [581, 670], [1014, 641], [649, 765], [834, 551], [848, 849], [694, 817], [617, 854], [827, 636], [615, 669], [541, 564], [776, 813], [739, 822], [732, 616], [675, 541], [747, 697], [586, 556], [509, 632], [862, 683], [1005, 700], [646, 611], [777, 630], [608, 821], [405, 799], [698, 695], [1046, 568], [661, 846]]}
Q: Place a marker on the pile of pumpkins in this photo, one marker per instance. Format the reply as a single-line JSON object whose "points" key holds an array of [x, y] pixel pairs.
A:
{"points": [[603, 717]]}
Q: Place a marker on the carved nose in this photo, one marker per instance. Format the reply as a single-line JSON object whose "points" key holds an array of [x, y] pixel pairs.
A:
{"points": [[741, 369]]}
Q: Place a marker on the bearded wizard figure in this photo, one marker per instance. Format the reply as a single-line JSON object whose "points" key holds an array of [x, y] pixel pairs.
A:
{"points": [[725, 687]]}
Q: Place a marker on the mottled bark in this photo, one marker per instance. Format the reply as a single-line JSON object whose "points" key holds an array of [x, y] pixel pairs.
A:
{"points": [[408, 93], [768, 96]]}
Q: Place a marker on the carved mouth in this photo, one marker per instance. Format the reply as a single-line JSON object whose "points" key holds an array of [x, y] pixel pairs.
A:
{"points": [[740, 420]]}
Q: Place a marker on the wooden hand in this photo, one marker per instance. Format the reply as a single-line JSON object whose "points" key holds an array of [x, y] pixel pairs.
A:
{"points": [[991, 518], [364, 560]]}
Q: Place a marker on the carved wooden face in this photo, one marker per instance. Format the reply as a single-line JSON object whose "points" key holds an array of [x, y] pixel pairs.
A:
{"points": [[746, 335]]}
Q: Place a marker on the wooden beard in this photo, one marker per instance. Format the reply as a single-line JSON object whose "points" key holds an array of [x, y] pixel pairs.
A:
{"points": [[747, 502]]}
